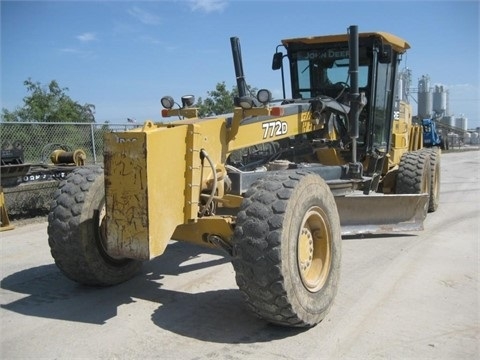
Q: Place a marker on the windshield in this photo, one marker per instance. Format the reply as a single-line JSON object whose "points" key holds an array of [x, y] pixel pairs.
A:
{"points": [[322, 72]]}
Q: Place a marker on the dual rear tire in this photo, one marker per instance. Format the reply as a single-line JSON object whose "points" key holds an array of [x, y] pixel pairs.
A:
{"points": [[419, 172]]}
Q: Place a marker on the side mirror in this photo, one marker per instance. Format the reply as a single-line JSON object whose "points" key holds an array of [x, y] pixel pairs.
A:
{"points": [[277, 61], [385, 55]]}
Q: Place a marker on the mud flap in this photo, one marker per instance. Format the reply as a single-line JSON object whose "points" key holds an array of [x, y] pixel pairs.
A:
{"points": [[375, 214]]}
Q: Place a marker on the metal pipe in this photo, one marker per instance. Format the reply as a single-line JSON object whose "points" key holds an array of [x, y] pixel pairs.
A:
{"points": [[237, 62], [92, 134], [354, 91]]}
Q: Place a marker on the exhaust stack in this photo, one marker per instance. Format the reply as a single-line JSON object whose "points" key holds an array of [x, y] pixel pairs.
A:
{"points": [[237, 62], [357, 100]]}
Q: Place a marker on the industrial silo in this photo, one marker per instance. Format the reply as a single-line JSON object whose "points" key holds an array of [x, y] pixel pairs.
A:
{"points": [[467, 138], [424, 98], [448, 120], [461, 122], [439, 100]]}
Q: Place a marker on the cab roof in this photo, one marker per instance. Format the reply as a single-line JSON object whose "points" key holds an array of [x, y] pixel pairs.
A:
{"points": [[398, 44]]}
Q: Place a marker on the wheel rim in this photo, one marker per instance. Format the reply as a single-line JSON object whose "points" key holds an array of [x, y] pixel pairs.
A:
{"points": [[102, 235], [102, 230], [436, 182], [314, 249], [426, 182]]}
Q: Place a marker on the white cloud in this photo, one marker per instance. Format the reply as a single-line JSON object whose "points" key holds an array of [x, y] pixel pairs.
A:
{"points": [[143, 16], [208, 6], [87, 37], [85, 54]]}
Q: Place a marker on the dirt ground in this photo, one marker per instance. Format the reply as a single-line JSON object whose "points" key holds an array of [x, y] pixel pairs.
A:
{"points": [[401, 296]]}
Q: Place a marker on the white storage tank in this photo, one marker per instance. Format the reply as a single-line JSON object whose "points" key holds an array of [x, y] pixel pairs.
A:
{"points": [[461, 122], [424, 84], [439, 100], [424, 105], [424, 98], [448, 120]]}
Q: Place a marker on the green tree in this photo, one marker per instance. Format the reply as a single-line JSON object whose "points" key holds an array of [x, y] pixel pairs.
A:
{"points": [[49, 104], [219, 101]]}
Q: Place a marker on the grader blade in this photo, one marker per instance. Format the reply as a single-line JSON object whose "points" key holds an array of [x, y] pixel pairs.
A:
{"points": [[375, 214]]}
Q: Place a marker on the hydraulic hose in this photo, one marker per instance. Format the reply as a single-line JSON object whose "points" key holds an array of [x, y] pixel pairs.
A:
{"points": [[204, 154]]}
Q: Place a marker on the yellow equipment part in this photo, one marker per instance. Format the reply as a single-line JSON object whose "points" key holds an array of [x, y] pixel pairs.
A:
{"points": [[397, 43], [5, 221], [147, 182], [161, 179], [61, 156], [381, 213], [154, 176]]}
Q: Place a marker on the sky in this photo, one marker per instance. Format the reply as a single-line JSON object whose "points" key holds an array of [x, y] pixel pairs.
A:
{"points": [[123, 56]]}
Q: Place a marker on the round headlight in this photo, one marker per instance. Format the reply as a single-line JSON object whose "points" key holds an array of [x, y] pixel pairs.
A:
{"points": [[188, 100], [167, 102], [246, 102], [264, 96]]}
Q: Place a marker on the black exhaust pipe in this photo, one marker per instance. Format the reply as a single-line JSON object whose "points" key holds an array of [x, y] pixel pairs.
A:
{"points": [[237, 62], [357, 100], [353, 72], [354, 92]]}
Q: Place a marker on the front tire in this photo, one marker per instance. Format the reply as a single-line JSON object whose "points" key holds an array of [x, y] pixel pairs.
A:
{"points": [[287, 249], [76, 231]]}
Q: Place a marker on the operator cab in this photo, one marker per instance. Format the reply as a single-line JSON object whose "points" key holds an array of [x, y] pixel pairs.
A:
{"points": [[319, 70]]}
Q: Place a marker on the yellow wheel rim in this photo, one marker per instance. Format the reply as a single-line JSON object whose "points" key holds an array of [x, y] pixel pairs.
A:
{"points": [[314, 249]]}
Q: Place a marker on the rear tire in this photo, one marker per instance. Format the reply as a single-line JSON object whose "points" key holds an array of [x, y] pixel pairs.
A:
{"points": [[434, 154], [75, 231], [287, 249]]}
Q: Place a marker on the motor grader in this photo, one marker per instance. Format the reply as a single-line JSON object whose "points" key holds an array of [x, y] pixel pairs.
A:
{"points": [[275, 184]]}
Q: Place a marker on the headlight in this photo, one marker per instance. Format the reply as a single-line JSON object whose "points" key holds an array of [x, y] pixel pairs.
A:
{"points": [[264, 96], [246, 102], [167, 102], [188, 100]]}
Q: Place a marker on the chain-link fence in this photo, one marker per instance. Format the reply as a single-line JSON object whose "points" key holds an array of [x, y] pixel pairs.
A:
{"points": [[39, 139]]}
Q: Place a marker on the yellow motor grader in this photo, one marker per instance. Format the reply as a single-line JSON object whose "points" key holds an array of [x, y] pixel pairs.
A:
{"points": [[275, 184]]}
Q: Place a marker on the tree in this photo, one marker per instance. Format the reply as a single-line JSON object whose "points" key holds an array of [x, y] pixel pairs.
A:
{"points": [[49, 104], [219, 101]]}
